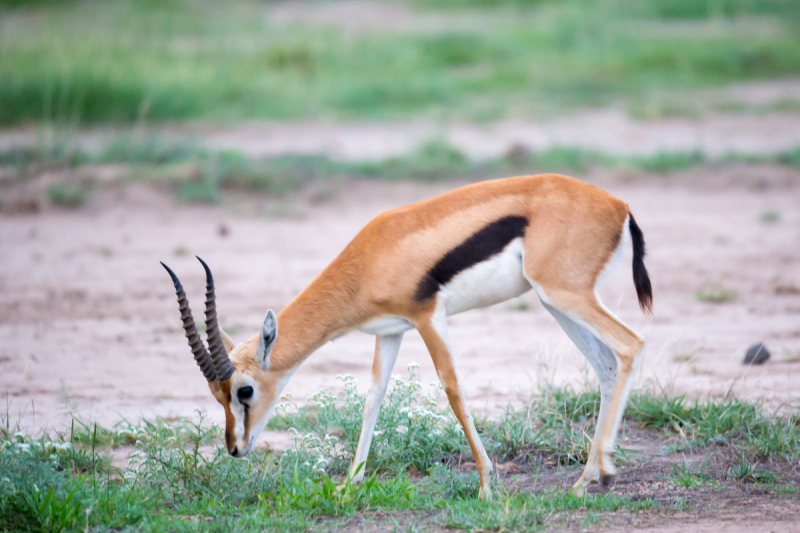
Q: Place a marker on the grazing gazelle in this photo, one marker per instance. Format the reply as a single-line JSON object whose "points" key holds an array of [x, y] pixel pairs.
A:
{"points": [[413, 266]]}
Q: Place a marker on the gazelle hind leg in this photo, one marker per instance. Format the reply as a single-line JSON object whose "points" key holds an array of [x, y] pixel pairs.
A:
{"points": [[604, 364], [386, 349], [434, 334], [612, 349]]}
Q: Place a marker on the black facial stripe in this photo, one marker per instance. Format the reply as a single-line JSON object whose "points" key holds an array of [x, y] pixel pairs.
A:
{"points": [[480, 246], [246, 425]]}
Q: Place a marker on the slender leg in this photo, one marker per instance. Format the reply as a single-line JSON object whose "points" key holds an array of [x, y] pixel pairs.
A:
{"points": [[434, 333], [386, 349], [605, 366], [612, 349]]}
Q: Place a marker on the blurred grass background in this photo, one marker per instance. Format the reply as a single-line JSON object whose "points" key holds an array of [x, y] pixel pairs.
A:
{"points": [[123, 61]]}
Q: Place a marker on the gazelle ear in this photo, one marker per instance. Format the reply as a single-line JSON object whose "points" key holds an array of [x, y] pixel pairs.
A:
{"points": [[269, 332], [226, 341]]}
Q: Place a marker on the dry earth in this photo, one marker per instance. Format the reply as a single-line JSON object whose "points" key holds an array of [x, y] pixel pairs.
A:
{"points": [[610, 131], [710, 503], [90, 324]]}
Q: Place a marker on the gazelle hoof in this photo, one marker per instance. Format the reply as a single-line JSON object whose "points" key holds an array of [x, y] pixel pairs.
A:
{"points": [[485, 494], [608, 480]]}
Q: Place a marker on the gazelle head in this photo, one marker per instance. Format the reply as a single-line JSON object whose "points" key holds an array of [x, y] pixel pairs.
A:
{"points": [[237, 374]]}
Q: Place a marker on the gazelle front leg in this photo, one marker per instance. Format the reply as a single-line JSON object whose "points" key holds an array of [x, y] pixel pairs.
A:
{"points": [[386, 349], [434, 333]]}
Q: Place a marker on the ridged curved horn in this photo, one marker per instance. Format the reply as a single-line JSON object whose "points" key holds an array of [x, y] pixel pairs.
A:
{"points": [[222, 363], [199, 351]]}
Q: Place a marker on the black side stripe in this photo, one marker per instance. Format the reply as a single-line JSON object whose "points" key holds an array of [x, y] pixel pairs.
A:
{"points": [[480, 246]]}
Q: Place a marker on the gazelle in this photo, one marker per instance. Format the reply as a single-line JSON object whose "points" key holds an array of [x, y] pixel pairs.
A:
{"points": [[412, 267]]}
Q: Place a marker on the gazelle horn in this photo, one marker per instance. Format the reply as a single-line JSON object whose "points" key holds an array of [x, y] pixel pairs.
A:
{"points": [[222, 363], [199, 351]]}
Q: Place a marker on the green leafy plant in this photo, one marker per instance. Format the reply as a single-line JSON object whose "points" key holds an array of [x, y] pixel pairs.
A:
{"points": [[70, 195], [716, 295], [411, 429]]}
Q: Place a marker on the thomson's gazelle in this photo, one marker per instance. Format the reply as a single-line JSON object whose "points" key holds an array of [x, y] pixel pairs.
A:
{"points": [[413, 266]]}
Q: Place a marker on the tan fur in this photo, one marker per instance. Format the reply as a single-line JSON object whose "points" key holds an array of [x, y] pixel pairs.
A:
{"points": [[573, 230]]}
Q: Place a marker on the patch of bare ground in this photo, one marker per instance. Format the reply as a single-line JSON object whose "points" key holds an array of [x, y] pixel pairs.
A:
{"points": [[86, 308], [83, 298], [349, 16], [691, 491], [363, 16]]}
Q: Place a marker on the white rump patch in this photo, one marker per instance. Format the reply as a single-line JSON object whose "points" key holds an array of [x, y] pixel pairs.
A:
{"points": [[616, 257]]}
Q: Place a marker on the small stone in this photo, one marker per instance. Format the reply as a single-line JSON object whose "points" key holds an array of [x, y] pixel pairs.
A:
{"points": [[757, 354]]}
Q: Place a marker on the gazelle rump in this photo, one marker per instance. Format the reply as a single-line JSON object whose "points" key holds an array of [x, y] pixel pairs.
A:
{"points": [[413, 266]]}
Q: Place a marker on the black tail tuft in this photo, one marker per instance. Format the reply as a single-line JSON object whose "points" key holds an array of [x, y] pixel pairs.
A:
{"points": [[640, 278]]}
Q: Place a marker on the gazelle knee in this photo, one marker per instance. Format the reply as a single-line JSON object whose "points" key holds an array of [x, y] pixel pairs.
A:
{"points": [[630, 353], [452, 390]]}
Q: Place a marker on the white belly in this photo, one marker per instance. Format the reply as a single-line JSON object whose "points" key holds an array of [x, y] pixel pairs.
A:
{"points": [[495, 280], [388, 325]]}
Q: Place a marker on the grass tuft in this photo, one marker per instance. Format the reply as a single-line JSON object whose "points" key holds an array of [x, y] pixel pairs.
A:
{"points": [[204, 176], [71, 195], [717, 295], [664, 162], [180, 478]]}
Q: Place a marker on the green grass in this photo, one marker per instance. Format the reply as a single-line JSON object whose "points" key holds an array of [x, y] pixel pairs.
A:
{"points": [[199, 175], [180, 478], [670, 161], [728, 422], [688, 475], [87, 61], [68, 194], [716, 295]]}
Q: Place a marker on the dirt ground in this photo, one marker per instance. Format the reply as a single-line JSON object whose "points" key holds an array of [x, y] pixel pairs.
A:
{"points": [[90, 324], [709, 503], [610, 131]]}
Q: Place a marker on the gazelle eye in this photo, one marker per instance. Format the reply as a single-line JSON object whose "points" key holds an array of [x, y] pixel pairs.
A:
{"points": [[245, 393]]}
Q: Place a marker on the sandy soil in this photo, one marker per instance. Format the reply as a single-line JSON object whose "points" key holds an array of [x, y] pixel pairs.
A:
{"points": [[609, 131], [90, 324]]}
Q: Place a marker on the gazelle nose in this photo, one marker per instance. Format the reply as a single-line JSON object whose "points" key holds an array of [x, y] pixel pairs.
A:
{"points": [[235, 451]]}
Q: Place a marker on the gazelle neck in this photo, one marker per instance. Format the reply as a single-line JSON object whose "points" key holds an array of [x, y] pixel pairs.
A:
{"points": [[326, 309]]}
